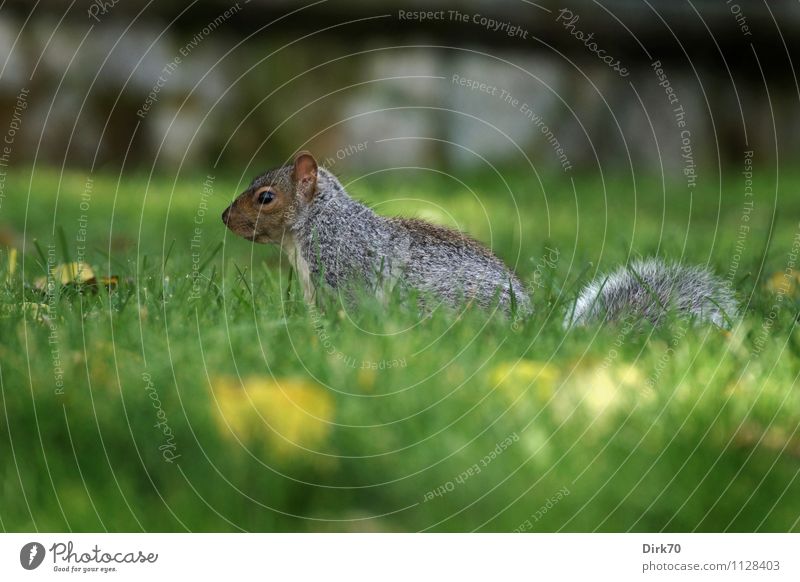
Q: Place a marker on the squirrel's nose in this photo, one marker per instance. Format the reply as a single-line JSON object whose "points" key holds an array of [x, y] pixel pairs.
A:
{"points": [[225, 215]]}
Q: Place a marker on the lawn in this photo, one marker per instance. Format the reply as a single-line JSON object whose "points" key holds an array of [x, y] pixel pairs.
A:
{"points": [[188, 387]]}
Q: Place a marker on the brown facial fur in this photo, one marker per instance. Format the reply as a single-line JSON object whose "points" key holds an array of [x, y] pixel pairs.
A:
{"points": [[268, 223]]}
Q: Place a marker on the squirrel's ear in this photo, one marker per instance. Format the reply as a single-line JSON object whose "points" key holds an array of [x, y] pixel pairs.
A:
{"points": [[305, 175]]}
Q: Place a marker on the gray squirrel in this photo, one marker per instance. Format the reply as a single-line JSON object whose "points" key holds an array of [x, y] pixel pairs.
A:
{"points": [[335, 241], [332, 239]]}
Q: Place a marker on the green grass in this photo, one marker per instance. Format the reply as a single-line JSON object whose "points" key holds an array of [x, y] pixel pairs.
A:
{"points": [[513, 427]]}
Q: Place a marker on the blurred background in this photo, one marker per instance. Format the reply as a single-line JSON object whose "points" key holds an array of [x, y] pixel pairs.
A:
{"points": [[210, 83]]}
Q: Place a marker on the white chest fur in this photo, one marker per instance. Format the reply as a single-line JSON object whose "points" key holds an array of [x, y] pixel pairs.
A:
{"points": [[301, 269]]}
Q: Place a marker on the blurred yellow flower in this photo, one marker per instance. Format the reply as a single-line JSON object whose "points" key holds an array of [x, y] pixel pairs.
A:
{"points": [[365, 377], [514, 377], [68, 273], [12, 263], [603, 389], [288, 413], [787, 282]]}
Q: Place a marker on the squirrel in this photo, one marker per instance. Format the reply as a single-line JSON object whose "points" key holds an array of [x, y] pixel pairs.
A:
{"points": [[650, 289], [333, 240]]}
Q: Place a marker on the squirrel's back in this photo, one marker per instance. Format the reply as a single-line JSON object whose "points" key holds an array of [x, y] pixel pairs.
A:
{"points": [[342, 240], [453, 266]]}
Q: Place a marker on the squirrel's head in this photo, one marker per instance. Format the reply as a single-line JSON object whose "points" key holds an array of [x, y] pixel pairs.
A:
{"points": [[268, 207]]}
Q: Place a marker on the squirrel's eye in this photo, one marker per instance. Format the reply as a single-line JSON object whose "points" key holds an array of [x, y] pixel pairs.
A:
{"points": [[266, 197]]}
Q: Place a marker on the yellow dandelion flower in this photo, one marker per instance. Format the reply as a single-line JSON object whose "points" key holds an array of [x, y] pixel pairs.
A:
{"points": [[68, 273], [785, 282], [513, 377], [12, 263], [290, 414], [603, 389]]}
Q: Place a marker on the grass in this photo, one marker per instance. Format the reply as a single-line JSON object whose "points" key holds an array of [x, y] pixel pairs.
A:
{"points": [[223, 402]]}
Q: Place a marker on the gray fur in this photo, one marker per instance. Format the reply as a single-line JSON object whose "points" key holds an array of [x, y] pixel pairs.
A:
{"points": [[343, 240], [685, 290]]}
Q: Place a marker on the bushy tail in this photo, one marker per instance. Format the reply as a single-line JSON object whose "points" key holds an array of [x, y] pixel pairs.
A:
{"points": [[651, 289]]}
